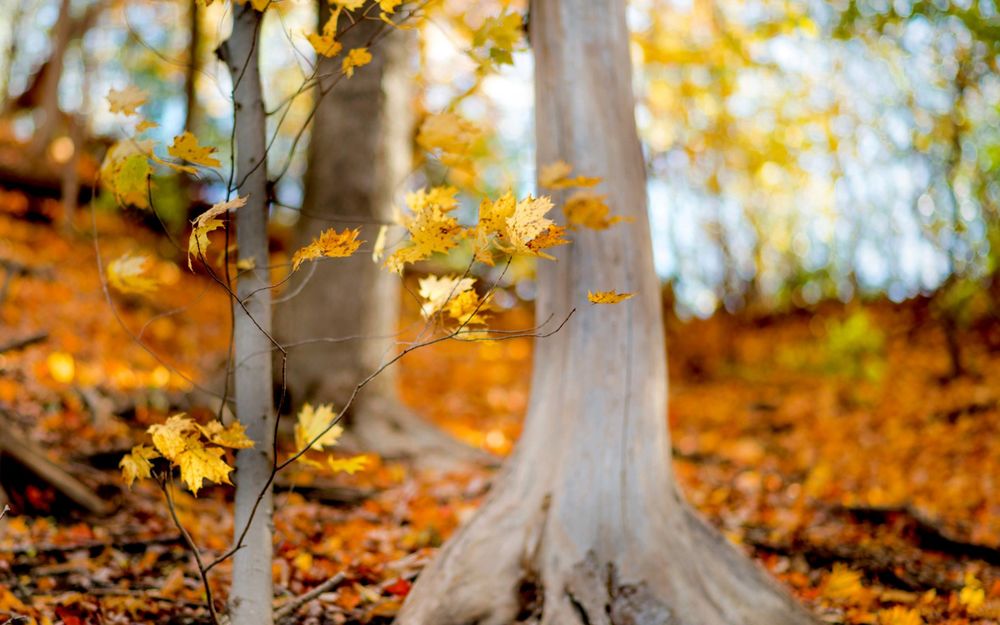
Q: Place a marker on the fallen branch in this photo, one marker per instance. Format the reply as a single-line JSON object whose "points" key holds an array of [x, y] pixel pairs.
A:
{"points": [[130, 545], [928, 534], [885, 565], [31, 456], [21, 343]]}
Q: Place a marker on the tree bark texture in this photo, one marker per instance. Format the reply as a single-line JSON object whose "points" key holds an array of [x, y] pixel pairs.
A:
{"points": [[252, 591], [359, 158], [586, 525]]}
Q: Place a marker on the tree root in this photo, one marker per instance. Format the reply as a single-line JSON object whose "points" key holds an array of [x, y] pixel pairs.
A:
{"points": [[509, 565]]}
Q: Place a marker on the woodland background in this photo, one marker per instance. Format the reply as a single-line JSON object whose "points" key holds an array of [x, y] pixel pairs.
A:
{"points": [[824, 203]]}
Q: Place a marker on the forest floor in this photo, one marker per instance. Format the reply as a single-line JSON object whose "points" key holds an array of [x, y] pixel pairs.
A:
{"points": [[828, 444]]}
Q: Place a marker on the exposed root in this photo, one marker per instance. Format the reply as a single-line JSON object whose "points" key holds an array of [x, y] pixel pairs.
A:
{"points": [[511, 565]]}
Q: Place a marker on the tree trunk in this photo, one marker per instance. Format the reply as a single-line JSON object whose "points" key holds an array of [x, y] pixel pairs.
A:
{"points": [[586, 525], [46, 123], [191, 73], [252, 592], [359, 157]]}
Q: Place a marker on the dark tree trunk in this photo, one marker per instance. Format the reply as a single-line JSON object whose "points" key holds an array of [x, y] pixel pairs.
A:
{"points": [[359, 158]]}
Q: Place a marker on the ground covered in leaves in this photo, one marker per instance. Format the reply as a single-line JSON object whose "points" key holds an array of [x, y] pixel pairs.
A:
{"points": [[829, 444]]}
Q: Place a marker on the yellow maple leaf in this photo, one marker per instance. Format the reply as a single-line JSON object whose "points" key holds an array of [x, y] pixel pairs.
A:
{"points": [[127, 100], [431, 229], [348, 465], [126, 274], [329, 244], [187, 148], [171, 437], [556, 176], [843, 583], [448, 132], [438, 291], [145, 125], [493, 215], [234, 436], [357, 57], [468, 308], [527, 222], [206, 222], [550, 237], [899, 615], [607, 297], [198, 463], [126, 171], [137, 463], [311, 422], [349, 5], [326, 43], [589, 210], [499, 35]]}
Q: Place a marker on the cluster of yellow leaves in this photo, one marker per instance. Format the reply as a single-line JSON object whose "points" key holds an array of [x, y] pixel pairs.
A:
{"points": [[607, 297], [194, 449], [126, 169], [508, 225], [329, 244], [207, 222], [126, 274], [499, 36], [452, 295], [325, 43], [516, 227], [583, 208], [451, 138], [315, 430], [431, 227]]}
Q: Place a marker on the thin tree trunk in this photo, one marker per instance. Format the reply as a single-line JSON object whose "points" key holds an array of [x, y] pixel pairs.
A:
{"points": [[586, 525], [252, 591], [17, 12], [46, 124], [359, 157], [191, 75]]}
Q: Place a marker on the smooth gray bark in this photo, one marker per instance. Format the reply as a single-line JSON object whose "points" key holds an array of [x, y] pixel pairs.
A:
{"points": [[359, 158], [586, 525], [252, 591]]}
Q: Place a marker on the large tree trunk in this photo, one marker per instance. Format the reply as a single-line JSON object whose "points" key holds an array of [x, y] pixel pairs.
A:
{"points": [[586, 525], [252, 591], [359, 157]]}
